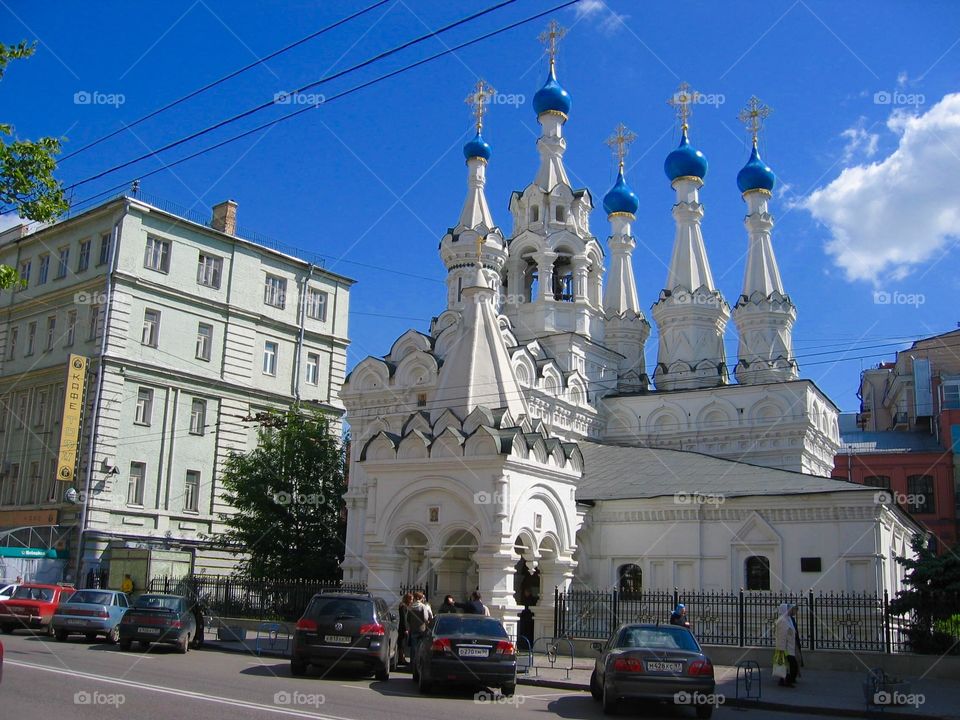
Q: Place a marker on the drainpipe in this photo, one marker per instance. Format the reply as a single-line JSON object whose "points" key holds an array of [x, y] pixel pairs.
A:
{"points": [[98, 392], [302, 322]]}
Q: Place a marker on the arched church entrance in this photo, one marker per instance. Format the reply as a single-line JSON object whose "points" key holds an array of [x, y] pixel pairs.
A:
{"points": [[416, 571], [455, 570]]}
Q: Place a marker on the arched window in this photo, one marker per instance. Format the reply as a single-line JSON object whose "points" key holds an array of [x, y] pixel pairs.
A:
{"points": [[534, 213], [757, 571], [561, 214], [630, 578]]}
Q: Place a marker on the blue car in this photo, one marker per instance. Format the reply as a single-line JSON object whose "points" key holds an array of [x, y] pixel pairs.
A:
{"points": [[91, 613]]}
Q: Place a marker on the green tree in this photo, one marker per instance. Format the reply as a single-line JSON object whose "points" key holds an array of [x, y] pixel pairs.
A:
{"points": [[27, 184], [289, 519], [931, 598]]}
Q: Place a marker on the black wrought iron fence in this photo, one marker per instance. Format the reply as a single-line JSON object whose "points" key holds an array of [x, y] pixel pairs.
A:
{"points": [[826, 621], [262, 599]]}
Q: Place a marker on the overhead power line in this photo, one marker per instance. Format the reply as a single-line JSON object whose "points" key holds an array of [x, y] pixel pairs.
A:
{"points": [[225, 78]]}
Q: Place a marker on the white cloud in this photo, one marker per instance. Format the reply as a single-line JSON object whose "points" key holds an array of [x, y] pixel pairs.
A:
{"points": [[859, 139], [889, 216], [9, 220], [599, 12]]}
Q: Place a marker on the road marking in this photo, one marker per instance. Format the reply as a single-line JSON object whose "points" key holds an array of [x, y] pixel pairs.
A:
{"points": [[179, 692]]}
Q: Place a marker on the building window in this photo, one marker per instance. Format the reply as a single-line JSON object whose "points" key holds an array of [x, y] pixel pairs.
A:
{"points": [[204, 341], [920, 497], [535, 213], [209, 269], [31, 338], [51, 331], [144, 412], [877, 481], [40, 409], [63, 260], [198, 416], [34, 482], [83, 260], [25, 272], [104, 249], [150, 335], [317, 305], [421, 399], [12, 481], [93, 320], [138, 474], [757, 571], [191, 491], [44, 269], [561, 215], [22, 410], [71, 328], [313, 368], [157, 255], [951, 393], [270, 358], [12, 344], [630, 578], [275, 291]]}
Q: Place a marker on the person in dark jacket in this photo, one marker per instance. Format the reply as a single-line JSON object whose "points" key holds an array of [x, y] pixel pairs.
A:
{"points": [[679, 616], [403, 636], [474, 606], [449, 605]]}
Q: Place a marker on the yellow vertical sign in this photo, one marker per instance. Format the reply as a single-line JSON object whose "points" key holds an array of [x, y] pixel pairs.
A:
{"points": [[72, 417]]}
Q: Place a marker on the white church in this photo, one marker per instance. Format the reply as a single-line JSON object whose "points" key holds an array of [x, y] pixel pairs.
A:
{"points": [[522, 445]]}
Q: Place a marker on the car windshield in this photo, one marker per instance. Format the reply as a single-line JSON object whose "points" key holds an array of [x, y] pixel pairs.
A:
{"points": [[33, 593], [94, 597], [342, 608], [473, 627], [157, 602], [658, 638]]}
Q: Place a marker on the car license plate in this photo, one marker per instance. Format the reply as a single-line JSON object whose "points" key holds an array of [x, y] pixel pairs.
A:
{"points": [[473, 652], [657, 666], [148, 630], [339, 639]]}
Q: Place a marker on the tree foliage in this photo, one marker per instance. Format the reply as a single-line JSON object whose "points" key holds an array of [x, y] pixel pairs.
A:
{"points": [[289, 519], [931, 598], [27, 184]]}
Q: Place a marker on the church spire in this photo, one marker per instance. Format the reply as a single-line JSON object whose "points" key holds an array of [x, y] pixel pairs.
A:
{"points": [[691, 313], [476, 211], [552, 105], [477, 371], [764, 313], [627, 329]]}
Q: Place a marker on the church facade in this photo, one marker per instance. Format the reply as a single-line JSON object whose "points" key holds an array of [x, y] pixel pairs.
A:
{"points": [[522, 444]]}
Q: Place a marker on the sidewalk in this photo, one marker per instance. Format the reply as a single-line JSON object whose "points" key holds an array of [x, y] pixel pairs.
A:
{"points": [[818, 692]]}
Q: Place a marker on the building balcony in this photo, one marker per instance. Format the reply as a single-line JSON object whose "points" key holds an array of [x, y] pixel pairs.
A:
{"points": [[901, 421]]}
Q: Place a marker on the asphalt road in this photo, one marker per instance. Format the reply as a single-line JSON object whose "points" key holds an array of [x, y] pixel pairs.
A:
{"points": [[44, 679]]}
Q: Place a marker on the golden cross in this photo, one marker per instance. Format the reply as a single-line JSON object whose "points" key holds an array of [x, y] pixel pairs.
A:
{"points": [[620, 141], [550, 37], [681, 100], [753, 116], [477, 99]]}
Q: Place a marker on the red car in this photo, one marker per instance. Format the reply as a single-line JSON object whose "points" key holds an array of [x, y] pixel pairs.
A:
{"points": [[32, 607]]}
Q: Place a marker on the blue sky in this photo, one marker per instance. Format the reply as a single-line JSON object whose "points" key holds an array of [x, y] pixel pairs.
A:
{"points": [[864, 137]]}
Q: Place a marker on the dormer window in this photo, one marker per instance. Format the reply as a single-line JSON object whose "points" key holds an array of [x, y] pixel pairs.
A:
{"points": [[561, 214], [535, 213]]}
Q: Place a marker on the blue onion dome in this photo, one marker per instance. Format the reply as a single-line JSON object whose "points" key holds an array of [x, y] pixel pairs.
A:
{"points": [[478, 147], [756, 174], [621, 199], [685, 161], [551, 97]]}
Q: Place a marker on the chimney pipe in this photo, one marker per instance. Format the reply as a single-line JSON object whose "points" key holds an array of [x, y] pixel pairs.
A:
{"points": [[225, 217]]}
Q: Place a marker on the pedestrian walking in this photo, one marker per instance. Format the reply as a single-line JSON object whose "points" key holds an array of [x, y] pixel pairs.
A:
{"points": [[403, 634], [785, 642], [796, 630], [679, 616], [419, 616]]}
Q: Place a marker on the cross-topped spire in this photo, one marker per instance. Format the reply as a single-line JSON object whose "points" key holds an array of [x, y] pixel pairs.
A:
{"points": [[620, 141], [478, 99], [681, 101], [550, 37], [753, 116]]}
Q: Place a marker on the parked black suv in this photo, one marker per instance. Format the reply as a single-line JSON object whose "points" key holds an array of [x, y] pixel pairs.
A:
{"points": [[346, 627]]}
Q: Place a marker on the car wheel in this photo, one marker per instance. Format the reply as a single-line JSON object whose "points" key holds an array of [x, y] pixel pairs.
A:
{"points": [[595, 690], [125, 645], [114, 635], [704, 711], [382, 671], [8, 629], [49, 630], [183, 644], [508, 690], [425, 685], [298, 668], [61, 636], [609, 701]]}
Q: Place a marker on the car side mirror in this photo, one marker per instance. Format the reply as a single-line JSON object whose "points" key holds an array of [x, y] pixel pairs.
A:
{"points": [[597, 647]]}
